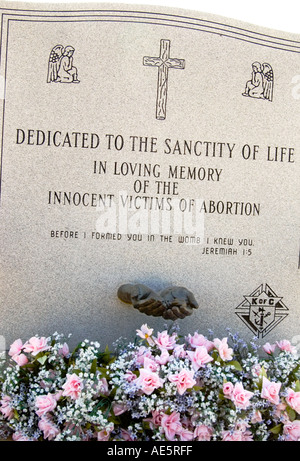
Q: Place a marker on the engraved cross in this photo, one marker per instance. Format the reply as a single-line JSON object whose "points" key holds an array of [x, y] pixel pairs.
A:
{"points": [[164, 63]]}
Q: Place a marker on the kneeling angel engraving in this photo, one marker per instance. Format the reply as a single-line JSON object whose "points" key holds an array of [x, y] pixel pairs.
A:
{"points": [[60, 65], [261, 84]]}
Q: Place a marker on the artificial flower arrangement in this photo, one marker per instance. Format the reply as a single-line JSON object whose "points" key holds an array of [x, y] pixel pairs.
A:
{"points": [[161, 387]]}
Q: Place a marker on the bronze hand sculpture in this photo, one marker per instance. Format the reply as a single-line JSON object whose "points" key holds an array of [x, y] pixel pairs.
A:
{"points": [[171, 303]]}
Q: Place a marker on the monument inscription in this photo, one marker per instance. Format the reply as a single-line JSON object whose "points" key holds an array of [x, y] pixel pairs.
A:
{"points": [[117, 175]]}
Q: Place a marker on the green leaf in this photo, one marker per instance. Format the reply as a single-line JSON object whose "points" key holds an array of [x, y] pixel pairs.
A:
{"points": [[292, 414], [263, 372], [106, 355], [77, 371], [216, 356], [103, 371], [276, 429], [235, 364], [297, 386], [75, 350], [146, 425], [28, 365], [113, 419], [197, 388], [94, 366], [42, 359]]}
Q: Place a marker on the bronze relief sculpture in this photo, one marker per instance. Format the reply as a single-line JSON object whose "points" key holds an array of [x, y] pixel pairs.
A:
{"points": [[171, 303]]}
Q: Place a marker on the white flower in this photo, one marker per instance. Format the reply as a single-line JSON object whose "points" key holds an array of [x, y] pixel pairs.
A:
{"points": [[145, 333]]}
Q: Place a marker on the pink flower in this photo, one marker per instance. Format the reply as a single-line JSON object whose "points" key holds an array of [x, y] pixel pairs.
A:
{"points": [[237, 435], [129, 376], [103, 386], [279, 412], [171, 425], [148, 381], [228, 389], [199, 340], [240, 396], [293, 400], [270, 391], [72, 386], [36, 345], [145, 333], [199, 357], [150, 364], [185, 435], [44, 404], [15, 348], [291, 431], [64, 351], [224, 350], [20, 359], [142, 352], [203, 433], [179, 351], [126, 436], [5, 407], [119, 408], [241, 425], [165, 341], [232, 436], [184, 380], [256, 417], [155, 421], [285, 345], [104, 435], [49, 429], [163, 358], [58, 395], [247, 436], [19, 437], [256, 369], [269, 348]]}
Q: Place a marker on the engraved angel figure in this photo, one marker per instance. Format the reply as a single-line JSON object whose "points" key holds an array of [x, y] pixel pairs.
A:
{"points": [[53, 63], [268, 81], [261, 84], [60, 65]]}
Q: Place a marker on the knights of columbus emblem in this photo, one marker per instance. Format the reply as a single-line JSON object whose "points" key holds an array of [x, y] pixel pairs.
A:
{"points": [[262, 310]]}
